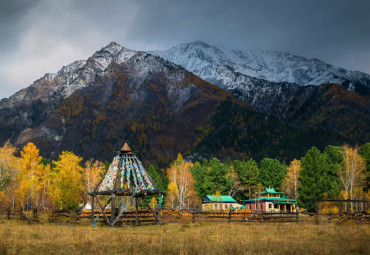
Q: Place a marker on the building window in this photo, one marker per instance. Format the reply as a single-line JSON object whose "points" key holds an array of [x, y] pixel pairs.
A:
{"points": [[270, 206], [261, 206]]}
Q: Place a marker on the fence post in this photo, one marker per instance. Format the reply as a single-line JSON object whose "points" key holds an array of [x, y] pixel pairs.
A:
{"points": [[229, 216], [329, 216], [193, 216], [297, 214], [261, 215], [317, 213], [159, 215], [77, 218]]}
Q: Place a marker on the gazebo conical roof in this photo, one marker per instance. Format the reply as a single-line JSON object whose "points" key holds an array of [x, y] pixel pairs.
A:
{"points": [[126, 149], [126, 173]]}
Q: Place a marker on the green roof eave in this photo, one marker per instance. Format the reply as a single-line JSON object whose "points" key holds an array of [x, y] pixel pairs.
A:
{"points": [[271, 191], [271, 199], [277, 202], [227, 199]]}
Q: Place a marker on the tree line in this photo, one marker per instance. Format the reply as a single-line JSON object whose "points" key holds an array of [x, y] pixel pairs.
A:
{"points": [[29, 181], [337, 173]]}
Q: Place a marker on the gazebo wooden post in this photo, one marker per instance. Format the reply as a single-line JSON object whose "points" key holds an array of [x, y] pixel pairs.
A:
{"points": [[112, 209], [92, 209], [136, 212]]}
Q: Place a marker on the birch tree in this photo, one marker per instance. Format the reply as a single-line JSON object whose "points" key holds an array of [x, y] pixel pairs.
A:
{"points": [[290, 184], [352, 173], [91, 176], [179, 173]]}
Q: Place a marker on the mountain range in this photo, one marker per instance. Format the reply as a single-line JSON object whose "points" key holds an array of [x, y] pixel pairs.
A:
{"points": [[194, 98]]}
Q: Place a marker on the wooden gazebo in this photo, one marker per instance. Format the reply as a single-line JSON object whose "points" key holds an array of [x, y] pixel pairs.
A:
{"points": [[125, 177]]}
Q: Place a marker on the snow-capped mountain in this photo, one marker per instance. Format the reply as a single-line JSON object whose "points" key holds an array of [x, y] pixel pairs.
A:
{"points": [[91, 106], [114, 94], [275, 83], [53, 87], [222, 66]]}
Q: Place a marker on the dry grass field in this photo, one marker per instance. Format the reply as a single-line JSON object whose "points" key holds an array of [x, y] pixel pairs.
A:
{"points": [[185, 238]]}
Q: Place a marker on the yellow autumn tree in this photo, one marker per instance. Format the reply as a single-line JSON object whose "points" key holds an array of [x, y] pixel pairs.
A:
{"points": [[32, 177], [172, 192], [9, 170], [153, 203], [66, 185], [91, 176], [352, 173], [290, 184], [179, 173]]}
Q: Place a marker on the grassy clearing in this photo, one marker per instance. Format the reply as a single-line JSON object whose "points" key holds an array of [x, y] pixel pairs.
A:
{"points": [[185, 238]]}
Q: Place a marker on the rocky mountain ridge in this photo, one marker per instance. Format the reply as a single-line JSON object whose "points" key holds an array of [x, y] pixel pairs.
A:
{"points": [[91, 106], [220, 66]]}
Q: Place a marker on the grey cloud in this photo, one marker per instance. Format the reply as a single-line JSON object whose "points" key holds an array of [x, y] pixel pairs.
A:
{"points": [[40, 36]]}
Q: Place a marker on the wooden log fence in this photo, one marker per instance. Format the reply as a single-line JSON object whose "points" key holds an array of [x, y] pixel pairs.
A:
{"points": [[232, 216], [173, 216], [359, 213], [169, 216]]}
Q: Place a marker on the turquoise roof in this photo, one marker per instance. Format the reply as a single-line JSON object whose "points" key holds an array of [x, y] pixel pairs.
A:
{"points": [[272, 199], [220, 198], [271, 191]]}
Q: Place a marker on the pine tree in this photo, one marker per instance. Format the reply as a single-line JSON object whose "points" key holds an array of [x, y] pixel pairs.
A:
{"points": [[272, 173], [247, 177], [317, 177], [365, 153], [156, 177]]}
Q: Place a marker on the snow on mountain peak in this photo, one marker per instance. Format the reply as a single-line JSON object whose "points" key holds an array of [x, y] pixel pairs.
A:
{"points": [[207, 61], [112, 48]]}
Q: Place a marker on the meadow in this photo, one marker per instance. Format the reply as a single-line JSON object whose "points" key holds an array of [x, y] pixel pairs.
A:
{"points": [[18, 237]]}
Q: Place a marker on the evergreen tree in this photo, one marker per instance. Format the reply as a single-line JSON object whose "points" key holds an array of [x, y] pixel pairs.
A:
{"points": [[210, 177], [199, 173], [365, 153], [317, 177], [156, 177], [216, 178], [247, 177], [272, 173]]}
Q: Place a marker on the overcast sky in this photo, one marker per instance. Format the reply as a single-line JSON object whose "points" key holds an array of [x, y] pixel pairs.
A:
{"points": [[40, 36]]}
